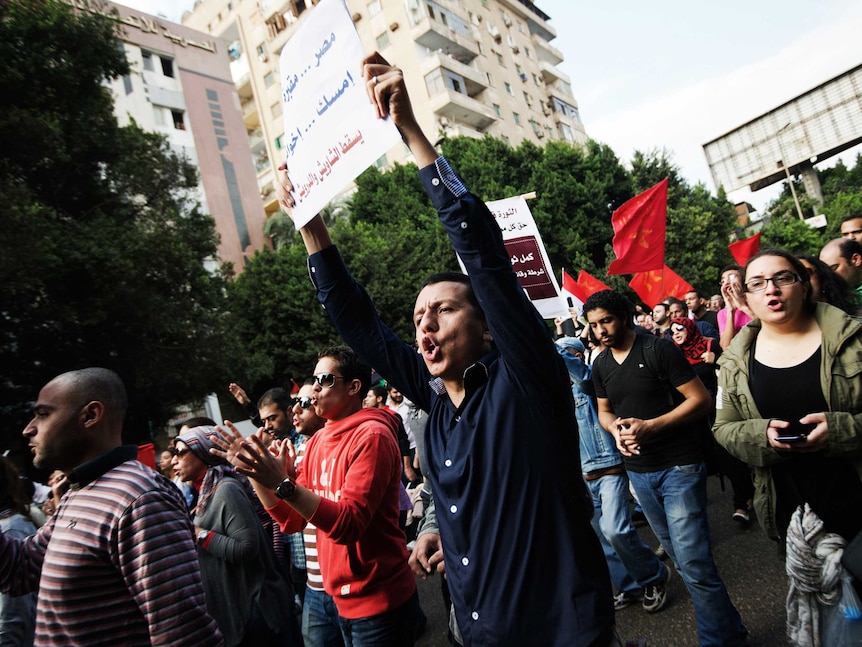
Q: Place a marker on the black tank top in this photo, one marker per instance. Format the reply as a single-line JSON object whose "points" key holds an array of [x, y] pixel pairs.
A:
{"points": [[829, 485]]}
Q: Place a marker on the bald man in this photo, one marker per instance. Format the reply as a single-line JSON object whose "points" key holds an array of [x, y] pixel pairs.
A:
{"points": [[116, 564], [844, 255]]}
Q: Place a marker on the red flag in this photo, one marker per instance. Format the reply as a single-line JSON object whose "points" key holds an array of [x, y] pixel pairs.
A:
{"points": [[574, 288], [639, 228], [590, 284], [744, 249], [655, 285]]}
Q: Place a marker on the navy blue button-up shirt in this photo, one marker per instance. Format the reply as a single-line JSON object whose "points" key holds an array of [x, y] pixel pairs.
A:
{"points": [[523, 563]]}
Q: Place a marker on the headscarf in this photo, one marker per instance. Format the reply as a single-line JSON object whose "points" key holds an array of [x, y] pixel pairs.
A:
{"points": [[197, 439], [695, 344]]}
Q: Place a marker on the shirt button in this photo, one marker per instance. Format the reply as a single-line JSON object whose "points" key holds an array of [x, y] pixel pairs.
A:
{"points": [[448, 462], [465, 561], [463, 225], [435, 181], [453, 509], [475, 615]]}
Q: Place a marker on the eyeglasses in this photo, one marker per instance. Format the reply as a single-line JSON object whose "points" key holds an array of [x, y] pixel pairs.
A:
{"points": [[304, 402], [179, 453], [677, 327], [780, 280], [327, 379]]}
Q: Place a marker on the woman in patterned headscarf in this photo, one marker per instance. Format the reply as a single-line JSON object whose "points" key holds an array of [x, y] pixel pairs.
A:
{"points": [[701, 352], [245, 590]]}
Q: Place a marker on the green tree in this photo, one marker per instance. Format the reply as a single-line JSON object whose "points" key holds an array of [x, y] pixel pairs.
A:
{"points": [[103, 249]]}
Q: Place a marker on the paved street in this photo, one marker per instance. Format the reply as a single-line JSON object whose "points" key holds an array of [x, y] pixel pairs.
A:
{"points": [[746, 559]]}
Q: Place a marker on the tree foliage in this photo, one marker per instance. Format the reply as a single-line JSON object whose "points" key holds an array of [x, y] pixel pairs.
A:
{"points": [[103, 249]]}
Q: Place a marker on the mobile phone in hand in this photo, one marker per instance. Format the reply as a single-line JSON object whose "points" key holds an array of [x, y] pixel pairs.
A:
{"points": [[791, 439]]}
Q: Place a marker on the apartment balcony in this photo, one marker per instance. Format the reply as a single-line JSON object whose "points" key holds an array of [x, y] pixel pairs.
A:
{"points": [[268, 8], [537, 20], [256, 141], [546, 52], [551, 74], [460, 108], [435, 35], [250, 114], [474, 80]]}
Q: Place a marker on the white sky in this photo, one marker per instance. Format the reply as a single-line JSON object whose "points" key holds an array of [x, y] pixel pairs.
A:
{"points": [[675, 74]]}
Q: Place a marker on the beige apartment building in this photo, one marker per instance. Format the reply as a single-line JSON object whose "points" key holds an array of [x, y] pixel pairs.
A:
{"points": [[472, 67]]}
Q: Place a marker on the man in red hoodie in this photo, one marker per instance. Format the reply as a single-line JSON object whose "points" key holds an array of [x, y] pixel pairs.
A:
{"points": [[347, 486]]}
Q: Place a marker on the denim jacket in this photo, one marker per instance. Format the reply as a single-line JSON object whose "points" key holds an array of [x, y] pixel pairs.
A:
{"points": [[598, 448]]}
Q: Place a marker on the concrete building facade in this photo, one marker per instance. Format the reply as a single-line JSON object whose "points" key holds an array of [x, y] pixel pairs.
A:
{"points": [[180, 85], [472, 67]]}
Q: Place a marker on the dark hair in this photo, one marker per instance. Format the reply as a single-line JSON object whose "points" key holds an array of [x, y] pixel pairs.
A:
{"points": [[351, 367], [699, 293], [728, 268], [798, 268], [309, 381], [12, 494], [277, 396], [847, 247], [660, 303], [855, 216], [456, 277], [379, 391], [674, 301], [833, 288], [613, 302], [100, 384]]}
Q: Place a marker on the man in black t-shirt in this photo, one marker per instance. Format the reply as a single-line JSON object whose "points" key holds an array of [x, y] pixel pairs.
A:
{"points": [[654, 405]]}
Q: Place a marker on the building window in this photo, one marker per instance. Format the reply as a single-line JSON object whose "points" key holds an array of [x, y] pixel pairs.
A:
{"points": [[536, 127], [278, 142], [528, 100], [497, 109], [277, 108], [550, 132], [167, 66], [374, 8], [485, 3], [159, 115], [508, 88], [490, 79], [535, 79], [179, 122], [381, 162], [519, 70], [517, 118], [500, 59], [148, 60], [527, 52], [383, 40], [268, 79]]}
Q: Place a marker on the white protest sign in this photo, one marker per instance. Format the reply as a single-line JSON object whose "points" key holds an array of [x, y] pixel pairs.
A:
{"points": [[529, 258], [331, 131]]}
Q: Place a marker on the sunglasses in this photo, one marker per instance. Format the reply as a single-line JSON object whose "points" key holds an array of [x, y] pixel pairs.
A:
{"points": [[677, 327], [179, 453], [327, 379], [304, 402]]}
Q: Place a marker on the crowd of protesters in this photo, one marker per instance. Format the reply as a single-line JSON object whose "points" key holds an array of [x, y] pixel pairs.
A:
{"points": [[298, 534]]}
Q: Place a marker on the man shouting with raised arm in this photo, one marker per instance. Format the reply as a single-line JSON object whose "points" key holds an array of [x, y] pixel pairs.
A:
{"points": [[524, 565]]}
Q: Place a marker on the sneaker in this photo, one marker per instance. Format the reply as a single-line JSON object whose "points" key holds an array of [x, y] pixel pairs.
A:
{"points": [[661, 553], [624, 599], [655, 596], [741, 516]]}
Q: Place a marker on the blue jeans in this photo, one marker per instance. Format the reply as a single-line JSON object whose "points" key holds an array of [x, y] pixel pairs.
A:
{"points": [[674, 502], [320, 626], [630, 561], [394, 628]]}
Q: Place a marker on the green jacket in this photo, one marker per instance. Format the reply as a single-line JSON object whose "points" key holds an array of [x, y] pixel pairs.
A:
{"points": [[741, 429]]}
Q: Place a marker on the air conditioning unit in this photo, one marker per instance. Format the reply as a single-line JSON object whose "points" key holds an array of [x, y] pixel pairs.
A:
{"points": [[263, 57], [356, 17], [507, 20], [540, 134], [393, 26]]}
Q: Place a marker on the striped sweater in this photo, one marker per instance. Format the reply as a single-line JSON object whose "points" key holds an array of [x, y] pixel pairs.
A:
{"points": [[116, 565]]}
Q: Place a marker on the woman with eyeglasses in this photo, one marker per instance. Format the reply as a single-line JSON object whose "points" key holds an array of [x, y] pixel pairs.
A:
{"points": [[245, 591], [790, 400]]}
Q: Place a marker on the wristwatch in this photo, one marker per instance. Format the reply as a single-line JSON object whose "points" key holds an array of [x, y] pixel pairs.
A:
{"points": [[202, 535], [285, 490]]}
